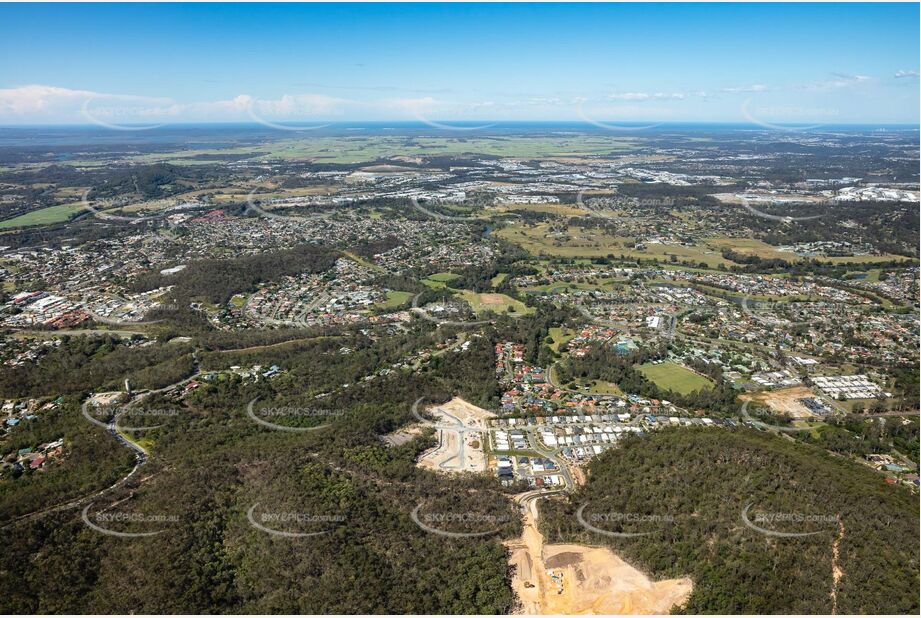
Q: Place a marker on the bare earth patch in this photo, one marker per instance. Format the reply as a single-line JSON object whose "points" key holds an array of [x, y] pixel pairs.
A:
{"points": [[402, 436], [468, 413], [786, 401], [578, 579], [460, 447], [492, 299]]}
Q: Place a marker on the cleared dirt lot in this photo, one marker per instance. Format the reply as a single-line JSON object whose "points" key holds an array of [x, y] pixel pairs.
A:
{"points": [[402, 436], [460, 449], [786, 401], [469, 414], [492, 299], [578, 579]]}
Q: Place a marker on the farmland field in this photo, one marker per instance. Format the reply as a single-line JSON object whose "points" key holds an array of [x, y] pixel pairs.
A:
{"points": [[360, 149]]}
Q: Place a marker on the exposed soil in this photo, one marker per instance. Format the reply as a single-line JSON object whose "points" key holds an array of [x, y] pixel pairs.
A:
{"points": [[451, 455], [786, 401], [492, 299], [836, 572], [578, 579]]}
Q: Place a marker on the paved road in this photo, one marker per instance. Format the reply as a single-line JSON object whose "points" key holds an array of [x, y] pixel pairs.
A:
{"points": [[554, 457], [140, 458], [140, 454]]}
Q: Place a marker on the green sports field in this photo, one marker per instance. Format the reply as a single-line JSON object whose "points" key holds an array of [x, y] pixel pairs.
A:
{"points": [[674, 377], [42, 216]]}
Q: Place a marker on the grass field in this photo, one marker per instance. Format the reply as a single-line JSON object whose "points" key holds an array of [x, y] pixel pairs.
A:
{"points": [[395, 298], [674, 377], [43, 216], [556, 209], [602, 387], [362, 261], [439, 280], [443, 277], [540, 239], [596, 387], [584, 242], [479, 303], [497, 303], [560, 336], [559, 287], [498, 279]]}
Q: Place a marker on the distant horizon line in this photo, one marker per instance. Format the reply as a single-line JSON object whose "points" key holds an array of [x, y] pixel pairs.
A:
{"points": [[626, 124]]}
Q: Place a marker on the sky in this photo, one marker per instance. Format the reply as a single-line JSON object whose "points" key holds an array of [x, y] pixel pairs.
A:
{"points": [[125, 65]]}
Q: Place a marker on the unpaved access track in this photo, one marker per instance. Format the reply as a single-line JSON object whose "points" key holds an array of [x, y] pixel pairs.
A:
{"points": [[579, 579]]}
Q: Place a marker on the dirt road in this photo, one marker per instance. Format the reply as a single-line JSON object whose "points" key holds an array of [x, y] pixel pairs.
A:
{"points": [[578, 579]]}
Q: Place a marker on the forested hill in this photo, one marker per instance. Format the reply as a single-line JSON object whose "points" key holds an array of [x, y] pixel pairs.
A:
{"points": [[212, 471], [687, 490]]}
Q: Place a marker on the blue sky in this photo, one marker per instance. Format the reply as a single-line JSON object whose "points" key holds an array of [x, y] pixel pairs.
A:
{"points": [[771, 63]]}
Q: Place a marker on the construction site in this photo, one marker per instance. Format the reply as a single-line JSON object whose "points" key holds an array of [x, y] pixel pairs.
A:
{"points": [[460, 429], [579, 579]]}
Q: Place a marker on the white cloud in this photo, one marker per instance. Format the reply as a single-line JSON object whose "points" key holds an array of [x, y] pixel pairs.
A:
{"points": [[37, 99], [630, 96], [300, 105], [750, 88], [654, 96], [840, 80], [42, 103], [903, 73]]}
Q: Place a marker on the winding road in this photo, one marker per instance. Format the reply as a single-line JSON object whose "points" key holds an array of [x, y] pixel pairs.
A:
{"points": [[141, 455]]}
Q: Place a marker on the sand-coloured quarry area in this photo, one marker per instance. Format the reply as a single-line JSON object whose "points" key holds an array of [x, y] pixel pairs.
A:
{"points": [[578, 579]]}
